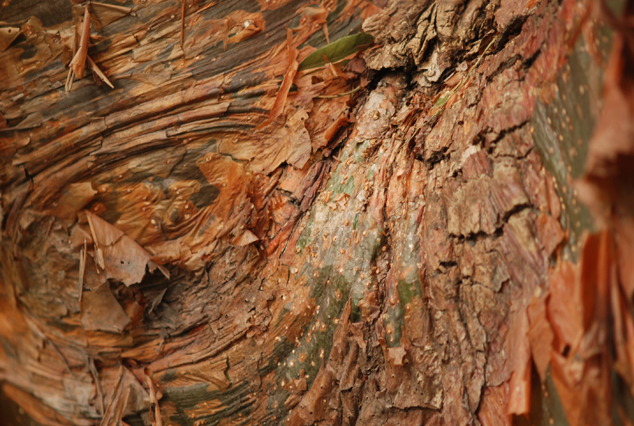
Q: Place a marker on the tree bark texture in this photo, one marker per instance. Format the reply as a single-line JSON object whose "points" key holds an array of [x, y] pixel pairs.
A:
{"points": [[207, 243]]}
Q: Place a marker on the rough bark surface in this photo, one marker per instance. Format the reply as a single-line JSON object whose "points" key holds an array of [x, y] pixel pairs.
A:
{"points": [[208, 244]]}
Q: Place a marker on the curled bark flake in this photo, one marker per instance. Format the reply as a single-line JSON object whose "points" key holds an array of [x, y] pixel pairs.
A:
{"points": [[78, 64], [71, 74], [7, 36], [99, 261], [282, 94], [104, 14], [246, 238], [98, 73], [540, 335], [249, 28], [95, 375], [100, 311], [118, 255]]}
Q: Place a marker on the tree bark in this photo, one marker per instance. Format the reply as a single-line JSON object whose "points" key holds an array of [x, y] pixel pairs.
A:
{"points": [[229, 237]]}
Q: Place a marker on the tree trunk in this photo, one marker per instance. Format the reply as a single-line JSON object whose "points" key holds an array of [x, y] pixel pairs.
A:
{"points": [[240, 232]]}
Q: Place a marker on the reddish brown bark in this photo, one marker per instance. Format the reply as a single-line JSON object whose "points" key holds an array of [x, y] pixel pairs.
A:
{"points": [[389, 240]]}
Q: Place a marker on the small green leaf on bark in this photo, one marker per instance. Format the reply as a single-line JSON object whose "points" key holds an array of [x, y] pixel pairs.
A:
{"points": [[336, 50]]}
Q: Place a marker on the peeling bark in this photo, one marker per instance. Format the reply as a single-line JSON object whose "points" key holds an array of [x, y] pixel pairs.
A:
{"points": [[390, 239]]}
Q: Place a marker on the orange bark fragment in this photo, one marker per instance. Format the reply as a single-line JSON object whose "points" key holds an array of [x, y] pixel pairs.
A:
{"points": [[282, 94], [581, 364], [95, 69], [540, 335], [623, 336], [7, 35], [564, 307], [520, 383], [100, 311], [78, 64], [103, 14], [117, 254]]}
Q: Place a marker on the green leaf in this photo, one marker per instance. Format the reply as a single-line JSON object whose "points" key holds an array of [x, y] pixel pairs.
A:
{"points": [[337, 50], [441, 100]]}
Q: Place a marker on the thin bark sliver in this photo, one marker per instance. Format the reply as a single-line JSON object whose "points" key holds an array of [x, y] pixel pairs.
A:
{"points": [[282, 94], [78, 64]]}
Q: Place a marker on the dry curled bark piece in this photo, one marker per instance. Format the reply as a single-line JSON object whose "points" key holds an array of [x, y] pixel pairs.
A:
{"points": [[104, 14], [118, 255], [282, 94], [364, 259], [98, 73], [100, 311], [78, 64], [7, 36]]}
